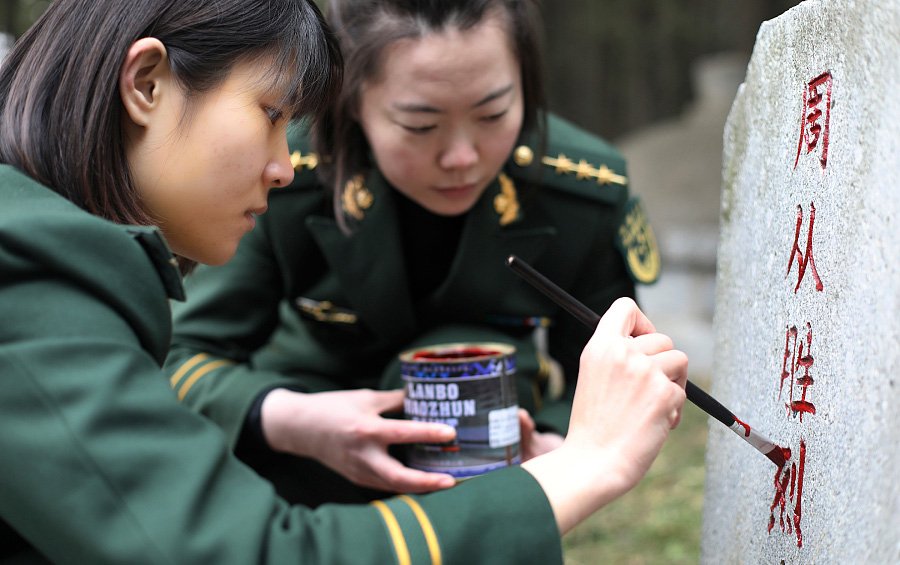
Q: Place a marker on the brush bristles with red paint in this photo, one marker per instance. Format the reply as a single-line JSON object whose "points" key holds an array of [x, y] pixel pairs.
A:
{"points": [[694, 393], [712, 407], [777, 456]]}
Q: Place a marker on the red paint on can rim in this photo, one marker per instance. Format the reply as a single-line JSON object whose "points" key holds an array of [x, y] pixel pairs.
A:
{"points": [[454, 354]]}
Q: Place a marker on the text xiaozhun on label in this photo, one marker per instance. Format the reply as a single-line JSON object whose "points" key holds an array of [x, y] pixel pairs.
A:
{"points": [[436, 403]]}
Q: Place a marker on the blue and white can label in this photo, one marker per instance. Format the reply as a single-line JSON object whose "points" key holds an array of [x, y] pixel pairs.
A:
{"points": [[470, 386]]}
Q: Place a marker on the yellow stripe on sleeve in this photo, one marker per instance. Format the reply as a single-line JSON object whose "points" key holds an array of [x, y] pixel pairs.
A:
{"points": [[199, 373], [188, 365], [393, 527], [434, 548]]}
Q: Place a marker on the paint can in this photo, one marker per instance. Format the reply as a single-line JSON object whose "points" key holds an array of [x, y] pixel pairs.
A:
{"points": [[472, 387]]}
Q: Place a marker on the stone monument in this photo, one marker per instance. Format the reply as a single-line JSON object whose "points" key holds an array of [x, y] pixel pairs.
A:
{"points": [[807, 317]]}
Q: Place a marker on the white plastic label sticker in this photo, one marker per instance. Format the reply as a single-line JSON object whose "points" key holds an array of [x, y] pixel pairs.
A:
{"points": [[503, 426]]}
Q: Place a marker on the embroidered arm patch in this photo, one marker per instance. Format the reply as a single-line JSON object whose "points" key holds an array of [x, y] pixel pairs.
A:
{"points": [[638, 244]]}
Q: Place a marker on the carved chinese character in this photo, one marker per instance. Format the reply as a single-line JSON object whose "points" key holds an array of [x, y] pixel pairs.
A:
{"points": [[789, 489], [804, 258], [815, 117], [794, 361], [789, 478]]}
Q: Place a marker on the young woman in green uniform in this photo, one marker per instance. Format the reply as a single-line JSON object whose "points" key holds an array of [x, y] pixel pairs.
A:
{"points": [[127, 129], [436, 162]]}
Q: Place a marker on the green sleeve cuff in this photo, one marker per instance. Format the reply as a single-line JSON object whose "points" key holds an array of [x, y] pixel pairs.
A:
{"points": [[224, 391], [500, 517]]}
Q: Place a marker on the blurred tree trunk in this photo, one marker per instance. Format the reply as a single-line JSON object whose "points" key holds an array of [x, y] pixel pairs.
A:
{"points": [[613, 65]]}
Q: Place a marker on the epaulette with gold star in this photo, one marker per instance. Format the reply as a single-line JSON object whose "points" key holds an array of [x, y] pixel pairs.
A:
{"points": [[573, 160], [578, 162]]}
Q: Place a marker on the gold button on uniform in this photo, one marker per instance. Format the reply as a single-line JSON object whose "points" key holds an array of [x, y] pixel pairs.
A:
{"points": [[523, 156]]}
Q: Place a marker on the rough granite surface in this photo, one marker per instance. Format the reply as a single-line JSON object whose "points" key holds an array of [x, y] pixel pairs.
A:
{"points": [[849, 365]]}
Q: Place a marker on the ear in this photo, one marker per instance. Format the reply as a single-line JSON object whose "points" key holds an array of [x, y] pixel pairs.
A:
{"points": [[144, 76]]}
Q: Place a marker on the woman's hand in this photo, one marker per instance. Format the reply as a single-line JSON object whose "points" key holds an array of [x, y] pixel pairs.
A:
{"points": [[345, 431], [629, 396], [533, 442]]}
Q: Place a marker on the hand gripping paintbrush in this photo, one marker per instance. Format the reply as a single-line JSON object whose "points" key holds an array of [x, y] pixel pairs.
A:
{"points": [[694, 393]]}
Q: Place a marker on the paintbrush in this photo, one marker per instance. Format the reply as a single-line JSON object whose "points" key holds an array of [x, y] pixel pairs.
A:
{"points": [[694, 393]]}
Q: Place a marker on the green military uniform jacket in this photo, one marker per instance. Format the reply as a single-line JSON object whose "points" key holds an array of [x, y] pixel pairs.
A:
{"points": [[304, 305], [99, 463]]}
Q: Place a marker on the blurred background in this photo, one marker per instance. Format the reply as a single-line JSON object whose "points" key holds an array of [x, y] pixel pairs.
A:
{"points": [[657, 78]]}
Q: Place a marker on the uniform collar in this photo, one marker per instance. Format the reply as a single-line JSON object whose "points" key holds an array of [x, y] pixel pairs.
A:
{"points": [[479, 276], [370, 265], [369, 261], [159, 253]]}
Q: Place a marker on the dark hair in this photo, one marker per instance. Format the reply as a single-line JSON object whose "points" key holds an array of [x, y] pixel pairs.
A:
{"points": [[60, 107], [366, 27]]}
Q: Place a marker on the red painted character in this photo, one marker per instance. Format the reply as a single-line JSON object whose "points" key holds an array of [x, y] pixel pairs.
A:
{"points": [[789, 478], [804, 259], [813, 127], [789, 488], [790, 369]]}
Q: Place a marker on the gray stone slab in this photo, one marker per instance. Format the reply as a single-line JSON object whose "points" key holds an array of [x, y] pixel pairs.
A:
{"points": [[842, 58]]}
